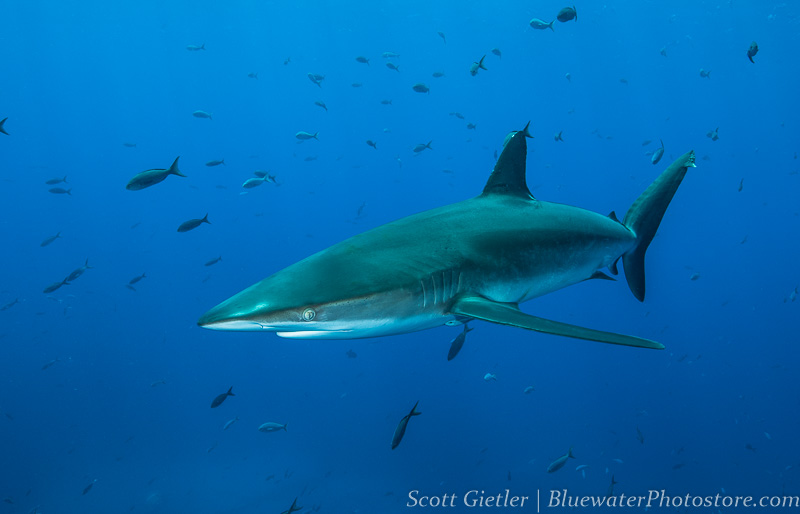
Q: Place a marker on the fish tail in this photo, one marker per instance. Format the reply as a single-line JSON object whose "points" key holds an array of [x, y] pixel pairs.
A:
{"points": [[569, 454], [64, 179], [230, 391], [551, 25], [173, 170], [644, 217], [480, 63], [284, 427], [414, 411], [576, 19], [205, 220], [69, 191], [428, 146], [315, 135], [2, 122]]}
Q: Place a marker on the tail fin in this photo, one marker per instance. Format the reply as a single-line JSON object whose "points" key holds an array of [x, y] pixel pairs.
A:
{"points": [[173, 170], [230, 391], [205, 220], [2, 130], [645, 215]]}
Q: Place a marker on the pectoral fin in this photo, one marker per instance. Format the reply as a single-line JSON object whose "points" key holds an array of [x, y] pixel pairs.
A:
{"points": [[509, 314]]}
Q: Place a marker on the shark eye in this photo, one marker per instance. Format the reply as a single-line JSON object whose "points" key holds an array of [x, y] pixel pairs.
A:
{"points": [[309, 314]]}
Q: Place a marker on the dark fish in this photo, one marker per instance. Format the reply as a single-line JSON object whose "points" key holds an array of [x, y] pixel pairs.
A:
{"points": [[567, 13], [55, 286], [639, 435], [471, 126], [705, 73], [130, 287], [422, 146], [320, 103], [60, 191], [421, 88], [89, 487], [610, 491], [293, 508], [136, 279], [558, 137], [50, 240], [475, 66], [287, 61], [457, 343], [50, 363], [356, 84], [559, 462], [751, 52], [568, 76], [186, 226], [316, 78], [457, 115], [215, 162], [221, 398], [741, 185], [362, 60], [2, 129], [623, 81], [252, 75], [372, 143], [438, 74], [386, 102], [351, 354], [78, 271], [129, 145], [658, 154], [214, 261], [9, 305], [441, 35], [646, 142], [713, 134], [393, 66], [663, 51], [54, 181], [194, 48], [202, 114], [400, 431], [497, 52], [152, 177]]}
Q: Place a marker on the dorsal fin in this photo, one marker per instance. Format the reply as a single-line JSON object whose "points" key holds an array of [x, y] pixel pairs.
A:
{"points": [[508, 176]]}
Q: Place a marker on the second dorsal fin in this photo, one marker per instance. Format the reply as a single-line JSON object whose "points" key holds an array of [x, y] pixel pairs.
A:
{"points": [[508, 176]]}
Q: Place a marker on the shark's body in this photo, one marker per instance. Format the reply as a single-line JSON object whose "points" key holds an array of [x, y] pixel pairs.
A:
{"points": [[476, 259]]}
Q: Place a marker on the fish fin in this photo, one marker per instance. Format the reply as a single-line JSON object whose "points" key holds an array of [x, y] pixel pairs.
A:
{"points": [[613, 267], [569, 454], [613, 216], [576, 12], [644, 217], [414, 411], [600, 275], [508, 176], [480, 63], [284, 427], [3, 130], [751, 59], [509, 314], [551, 25], [230, 391], [173, 170], [205, 219]]}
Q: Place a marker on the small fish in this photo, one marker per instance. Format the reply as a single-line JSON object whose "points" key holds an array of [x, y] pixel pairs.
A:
{"points": [[89, 487], [658, 154], [305, 136], [679, 465], [623, 81], [293, 508], [400, 431], [2, 128], [438, 74], [792, 297], [713, 134], [194, 48], [230, 422], [766, 434], [252, 75], [475, 66], [559, 462], [457, 115], [50, 239], [489, 377], [188, 225], [213, 261], [356, 84], [362, 60], [393, 66], [253, 182], [441, 35], [750, 447], [389, 55], [705, 73], [272, 427], [751, 52], [386, 102], [55, 286], [212, 447], [320, 103], [137, 279], [60, 191], [77, 272], [50, 363], [528, 390], [541, 24], [351, 354], [372, 143], [157, 383], [54, 181], [558, 137], [639, 435], [266, 176], [568, 76], [471, 126], [215, 162], [129, 145], [610, 491], [618, 461], [152, 177], [566, 14], [287, 61], [316, 78], [695, 276], [458, 342], [202, 114], [741, 185], [663, 51], [421, 88], [646, 142], [16, 301], [221, 398], [130, 287], [497, 52], [423, 146]]}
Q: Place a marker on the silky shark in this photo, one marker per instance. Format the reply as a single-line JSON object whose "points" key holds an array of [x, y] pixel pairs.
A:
{"points": [[476, 259]]}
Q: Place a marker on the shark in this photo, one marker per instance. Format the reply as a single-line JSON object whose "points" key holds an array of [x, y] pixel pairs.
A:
{"points": [[477, 259]]}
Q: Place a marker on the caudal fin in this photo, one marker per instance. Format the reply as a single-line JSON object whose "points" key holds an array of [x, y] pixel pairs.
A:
{"points": [[173, 170], [644, 217]]}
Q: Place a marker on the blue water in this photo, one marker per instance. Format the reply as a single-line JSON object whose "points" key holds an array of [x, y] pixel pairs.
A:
{"points": [[126, 403]]}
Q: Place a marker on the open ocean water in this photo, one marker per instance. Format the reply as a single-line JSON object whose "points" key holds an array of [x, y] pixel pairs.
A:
{"points": [[106, 384]]}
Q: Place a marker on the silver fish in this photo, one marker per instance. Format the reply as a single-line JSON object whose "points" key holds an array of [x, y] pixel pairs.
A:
{"points": [[400, 431], [272, 427], [202, 114], [541, 24], [559, 462], [188, 225]]}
